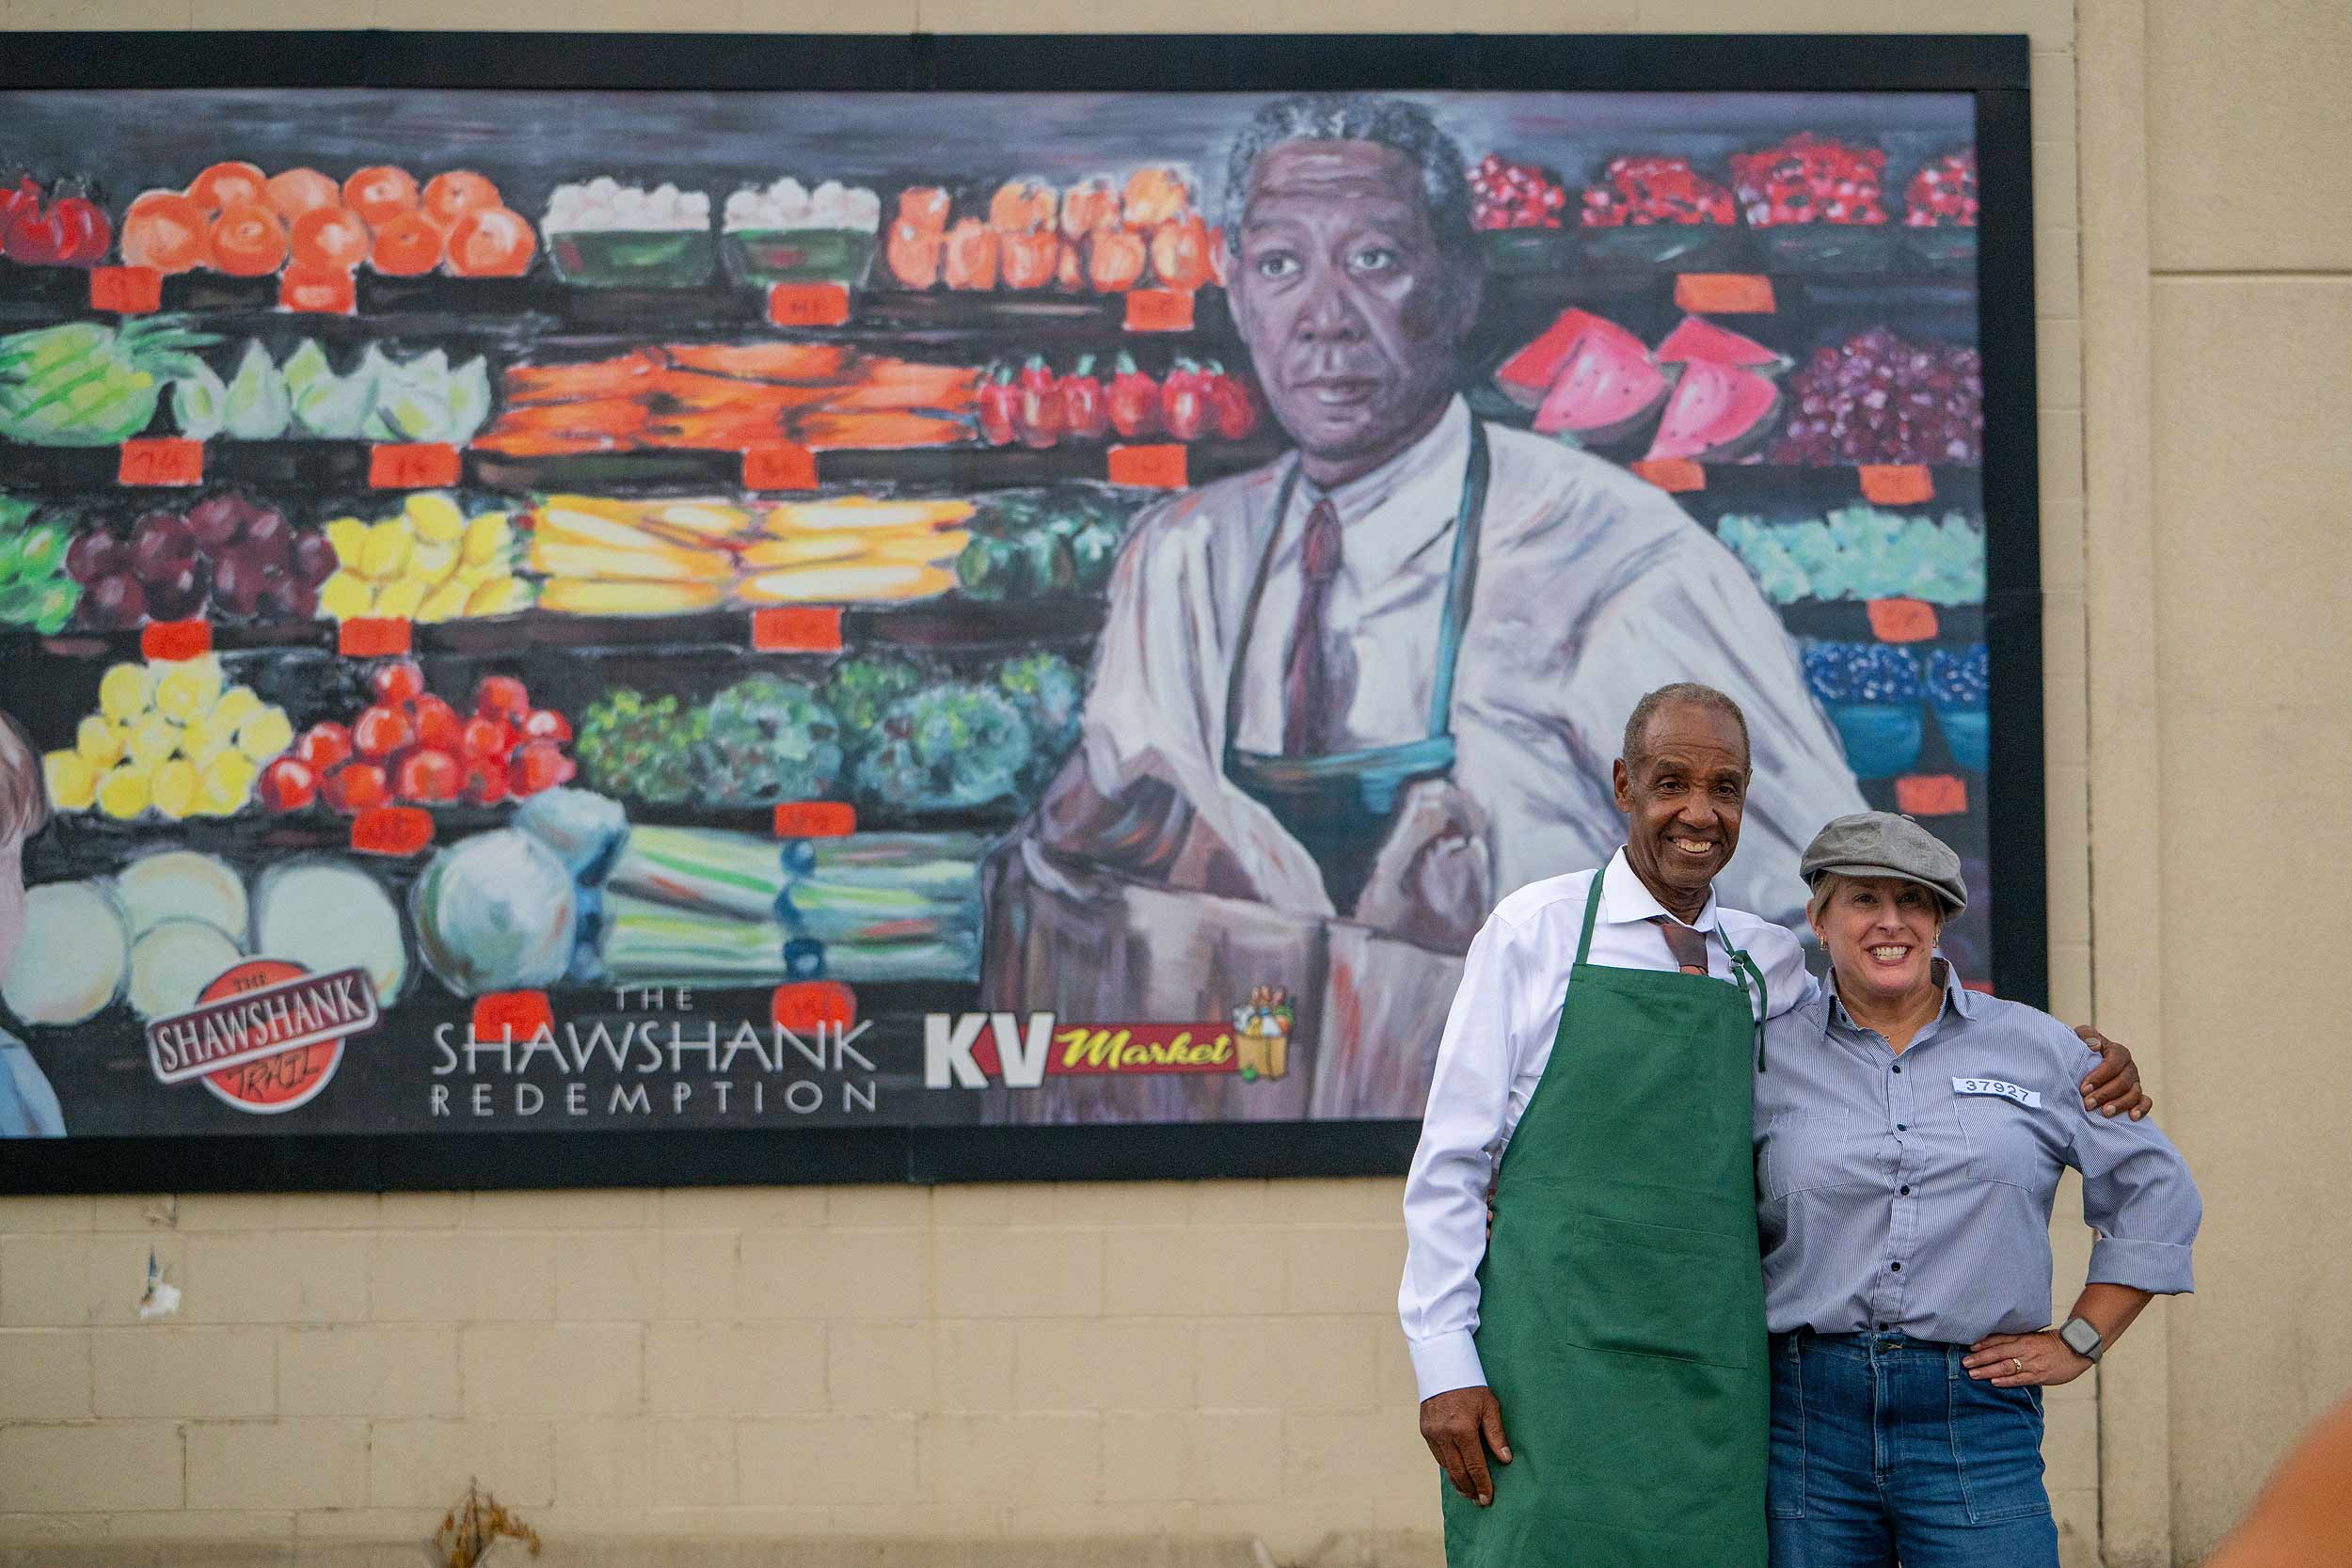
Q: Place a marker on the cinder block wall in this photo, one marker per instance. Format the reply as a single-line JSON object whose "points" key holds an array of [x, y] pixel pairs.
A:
{"points": [[1015, 1363]]}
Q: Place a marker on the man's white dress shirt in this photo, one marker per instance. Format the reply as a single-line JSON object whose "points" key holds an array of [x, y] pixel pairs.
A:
{"points": [[1497, 1040]]}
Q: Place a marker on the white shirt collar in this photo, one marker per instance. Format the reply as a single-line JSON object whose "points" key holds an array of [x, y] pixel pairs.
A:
{"points": [[1419, 492], [1624, 900]]}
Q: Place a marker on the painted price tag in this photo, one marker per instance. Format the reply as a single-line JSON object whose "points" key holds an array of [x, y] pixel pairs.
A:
{"points": [[373, 637], [1159, 310], [413, 465], [1724, 293], [805, 1007], [172, 641], [816, 819], [331, 292], [1902, 619], [1676, 475], [1897, 484], [391, 831], [1154, 468], [808, 304], [796, 630], [126, 290], [161, 461], [781, 466], [512, 1015], [1931, 794]]}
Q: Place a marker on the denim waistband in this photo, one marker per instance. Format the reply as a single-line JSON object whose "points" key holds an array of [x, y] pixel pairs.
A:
{"points": [[1892, 1342]]}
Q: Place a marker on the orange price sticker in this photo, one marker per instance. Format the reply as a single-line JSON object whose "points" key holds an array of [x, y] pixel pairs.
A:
{"points": [[1673, 474], [126, 290], [1931, 794], [331, 292], [413, 465], [816, 819], [1724, 293], [163, 460], [1154, 468], [512, 1015], [782, 466], [808, 304], [172, 641], [1897, 484], [1902, 619], [372, 637], [805, 1007], [797, 628], [1159, 309], [391, 831]]}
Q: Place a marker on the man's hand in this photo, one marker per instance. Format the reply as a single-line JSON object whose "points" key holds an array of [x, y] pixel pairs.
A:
{"points": [[1432, 883], [2114, 1084], [2018, 1360], [1460, 1426]]}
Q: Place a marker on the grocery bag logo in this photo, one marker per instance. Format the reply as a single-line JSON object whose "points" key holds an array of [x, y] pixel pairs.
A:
{"points": [[969, 1050], [1262, 1026], [266, 1035]]}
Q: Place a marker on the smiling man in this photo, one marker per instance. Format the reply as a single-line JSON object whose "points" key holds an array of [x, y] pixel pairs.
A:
{"points": [[1368, 688]]}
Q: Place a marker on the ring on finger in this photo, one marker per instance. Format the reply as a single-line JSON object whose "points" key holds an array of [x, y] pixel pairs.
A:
{"points": [[2016, 1363]]}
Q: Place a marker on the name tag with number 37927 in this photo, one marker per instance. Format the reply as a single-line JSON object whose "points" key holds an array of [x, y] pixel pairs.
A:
{"points": [[2027, 1097]]}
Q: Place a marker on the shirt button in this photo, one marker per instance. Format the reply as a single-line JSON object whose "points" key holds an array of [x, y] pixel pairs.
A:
{"points": [[1898, 1067], [1904, 1191], [1902, 1127], [1898, 1268], [1882, 1328]]}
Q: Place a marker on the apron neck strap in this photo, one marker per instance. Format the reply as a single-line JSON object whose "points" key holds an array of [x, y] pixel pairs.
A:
{"points": [[1592, 909]]}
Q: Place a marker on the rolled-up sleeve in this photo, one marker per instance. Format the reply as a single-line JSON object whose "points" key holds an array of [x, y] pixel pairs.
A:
{"points": [[2137, 1195]]}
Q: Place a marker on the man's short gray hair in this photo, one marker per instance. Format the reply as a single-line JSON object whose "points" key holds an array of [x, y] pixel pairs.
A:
{"points": [[1637, 725], [1390, 122]]}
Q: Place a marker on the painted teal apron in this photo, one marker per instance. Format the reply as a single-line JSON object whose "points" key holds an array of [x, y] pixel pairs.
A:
{"points": [[1339, 805], [1621, 1308]]}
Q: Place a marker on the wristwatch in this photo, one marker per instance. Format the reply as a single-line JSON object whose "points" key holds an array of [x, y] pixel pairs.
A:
{"points": [[2083, 1338]]}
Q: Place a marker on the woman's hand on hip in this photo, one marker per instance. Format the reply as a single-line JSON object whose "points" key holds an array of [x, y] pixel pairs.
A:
{"points": [[2024, 1360]]}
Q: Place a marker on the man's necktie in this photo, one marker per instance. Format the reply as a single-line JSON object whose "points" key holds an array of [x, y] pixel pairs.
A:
{"points": [[1688, 946], [1306, 676]]}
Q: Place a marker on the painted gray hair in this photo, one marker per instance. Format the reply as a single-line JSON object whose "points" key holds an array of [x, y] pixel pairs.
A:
{"points": [[1400, 126], [1637, 725]]}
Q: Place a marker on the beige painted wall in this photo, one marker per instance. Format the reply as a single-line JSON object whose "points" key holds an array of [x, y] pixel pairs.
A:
{"points": [[1220, 1358]]}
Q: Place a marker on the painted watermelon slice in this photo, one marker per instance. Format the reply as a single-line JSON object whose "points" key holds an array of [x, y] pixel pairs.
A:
{"points": [[1697, 337], [1717, 412], [1528, 375], [1607, 391]]}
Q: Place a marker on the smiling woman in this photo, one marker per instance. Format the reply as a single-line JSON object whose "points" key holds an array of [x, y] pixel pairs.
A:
{"points": [[1909, 1141]]}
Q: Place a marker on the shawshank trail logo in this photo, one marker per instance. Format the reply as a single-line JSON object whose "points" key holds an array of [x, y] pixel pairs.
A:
{"points": [[266, 1035]]}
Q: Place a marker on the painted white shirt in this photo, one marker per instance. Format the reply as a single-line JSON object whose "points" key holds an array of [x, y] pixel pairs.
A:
{"points": [[1593, 588], [1497, 1040]]}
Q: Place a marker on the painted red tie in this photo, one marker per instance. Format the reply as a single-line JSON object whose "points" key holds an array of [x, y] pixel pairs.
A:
{"points": [[1688, 946], [1306, 679]]}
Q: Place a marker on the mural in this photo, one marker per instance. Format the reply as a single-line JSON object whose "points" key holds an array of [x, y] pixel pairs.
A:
{"points": [[764, 609]]}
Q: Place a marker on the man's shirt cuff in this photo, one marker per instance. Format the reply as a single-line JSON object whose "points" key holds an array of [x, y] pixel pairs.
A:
{"points": [[1446, 1362]]}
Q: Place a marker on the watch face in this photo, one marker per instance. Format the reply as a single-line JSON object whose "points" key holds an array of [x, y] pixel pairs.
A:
{"points": [[2080, 1338]]}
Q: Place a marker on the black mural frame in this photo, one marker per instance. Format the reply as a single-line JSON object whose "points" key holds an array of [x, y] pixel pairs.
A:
{"points": [[1991, 67]]}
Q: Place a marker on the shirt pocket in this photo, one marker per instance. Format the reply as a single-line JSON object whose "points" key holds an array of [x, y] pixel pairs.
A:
{"points": [[2003, 1142], [1805, 1151]]}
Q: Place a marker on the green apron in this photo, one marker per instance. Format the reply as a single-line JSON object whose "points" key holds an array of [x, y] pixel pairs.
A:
{"points": [[1621, 1307]]}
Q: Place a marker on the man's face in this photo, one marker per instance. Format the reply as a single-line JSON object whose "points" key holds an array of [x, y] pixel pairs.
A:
{"points": [[1352, 313], [1682, 800]]}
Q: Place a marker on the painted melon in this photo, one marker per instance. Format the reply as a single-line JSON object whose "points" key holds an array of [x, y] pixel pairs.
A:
{"points": [[1716, 414], [1606, 391], [1697, 337], [1528, 375]]}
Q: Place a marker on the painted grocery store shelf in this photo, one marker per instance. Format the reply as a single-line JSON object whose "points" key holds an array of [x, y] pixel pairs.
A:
{"points": [[517, 310], [347, 468]]}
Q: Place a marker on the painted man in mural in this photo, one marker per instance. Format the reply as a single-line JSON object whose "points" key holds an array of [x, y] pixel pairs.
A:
{"points": [[1346, 701]]}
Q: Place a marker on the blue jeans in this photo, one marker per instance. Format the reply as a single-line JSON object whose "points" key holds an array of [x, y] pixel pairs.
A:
{"points": [[1884, 1449]]}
